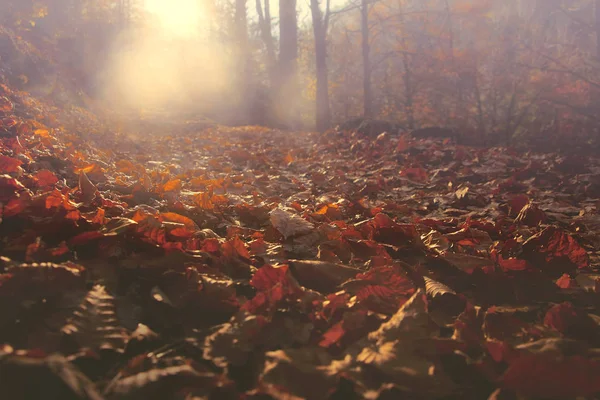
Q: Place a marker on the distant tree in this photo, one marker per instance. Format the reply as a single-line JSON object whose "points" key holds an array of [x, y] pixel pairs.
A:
{"points": [[287, 83], [366, 50], [320, 21], [242, 56], [266, 34]]}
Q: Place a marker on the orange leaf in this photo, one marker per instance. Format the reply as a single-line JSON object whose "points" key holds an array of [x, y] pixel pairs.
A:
{"points": [[87, 169], [73, 215], [42, 132], [54, 199], [174, 217], [6, 105], [125, 166], [172, 186], [203, 200], [140, 215], [288, 158], [99, 218], [182, 232]]}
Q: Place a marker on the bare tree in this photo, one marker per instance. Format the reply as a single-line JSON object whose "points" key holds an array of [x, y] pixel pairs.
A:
{"points": [[320, 27], [264, 23], [240, 31], [287, 84], [366, 49]]}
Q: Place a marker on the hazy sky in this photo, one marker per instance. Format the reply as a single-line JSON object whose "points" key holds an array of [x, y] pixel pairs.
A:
{"points": [[181, 17]]}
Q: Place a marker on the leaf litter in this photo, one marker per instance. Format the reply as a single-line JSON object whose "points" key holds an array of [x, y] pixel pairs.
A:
{"points": [[253, 263]]}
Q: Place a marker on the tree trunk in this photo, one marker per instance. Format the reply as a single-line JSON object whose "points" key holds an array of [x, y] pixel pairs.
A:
{"points": [[597, 22], [241, 45], [408, 77], [264, 23], [364, 29], [597, 26], [320, 25], [288, 92], [460, 110]]}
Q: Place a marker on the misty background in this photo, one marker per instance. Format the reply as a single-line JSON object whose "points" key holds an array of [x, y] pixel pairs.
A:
{"points": [[497, 71]]}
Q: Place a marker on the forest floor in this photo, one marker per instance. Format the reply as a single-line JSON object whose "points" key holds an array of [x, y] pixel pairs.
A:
{"points": [[195, 261]]}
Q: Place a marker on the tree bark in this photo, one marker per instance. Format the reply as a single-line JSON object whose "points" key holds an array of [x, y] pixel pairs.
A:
{"points": [[366, 49], [241, 45], [596, 93], [597, 23], [264, 23], [320, 25], [287, 85], [408, 77]]}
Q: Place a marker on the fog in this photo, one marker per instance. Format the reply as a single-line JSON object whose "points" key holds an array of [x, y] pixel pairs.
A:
{"points": [[167, 61]]}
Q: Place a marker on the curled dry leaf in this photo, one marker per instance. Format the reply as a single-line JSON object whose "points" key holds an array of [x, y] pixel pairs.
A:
{"points": [[87, 188], [321, 276], [289, 224], [444, 304]]}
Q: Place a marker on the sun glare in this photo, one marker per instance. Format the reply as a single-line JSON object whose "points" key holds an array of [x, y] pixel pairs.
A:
{"points": [[178, 17]]}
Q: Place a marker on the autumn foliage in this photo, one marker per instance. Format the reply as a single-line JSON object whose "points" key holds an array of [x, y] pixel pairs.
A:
{"points": [[250, 263], [164, 258]]}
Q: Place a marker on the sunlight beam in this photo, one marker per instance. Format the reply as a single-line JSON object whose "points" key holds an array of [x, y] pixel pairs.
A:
{"points": [[177, 17]]}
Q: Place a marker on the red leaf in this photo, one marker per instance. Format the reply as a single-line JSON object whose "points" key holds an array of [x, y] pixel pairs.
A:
{"points": [[9, 164], [416, 174], [333, 335], [258, 246], [267, 277], [402, 144], [235, 247], [516, 204], [382, 289], [544, 376], [510, 264], [568, 320], [45, 178], [274, 284], [531, 215], [85, 237], [211, 245], [557, 246]]}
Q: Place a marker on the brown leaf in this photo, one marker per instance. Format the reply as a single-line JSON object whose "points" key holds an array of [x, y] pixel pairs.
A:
{"points": [[53, 376], [95, 324], [321, 276], [296, 373], [87, 188], [289, 224]]}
